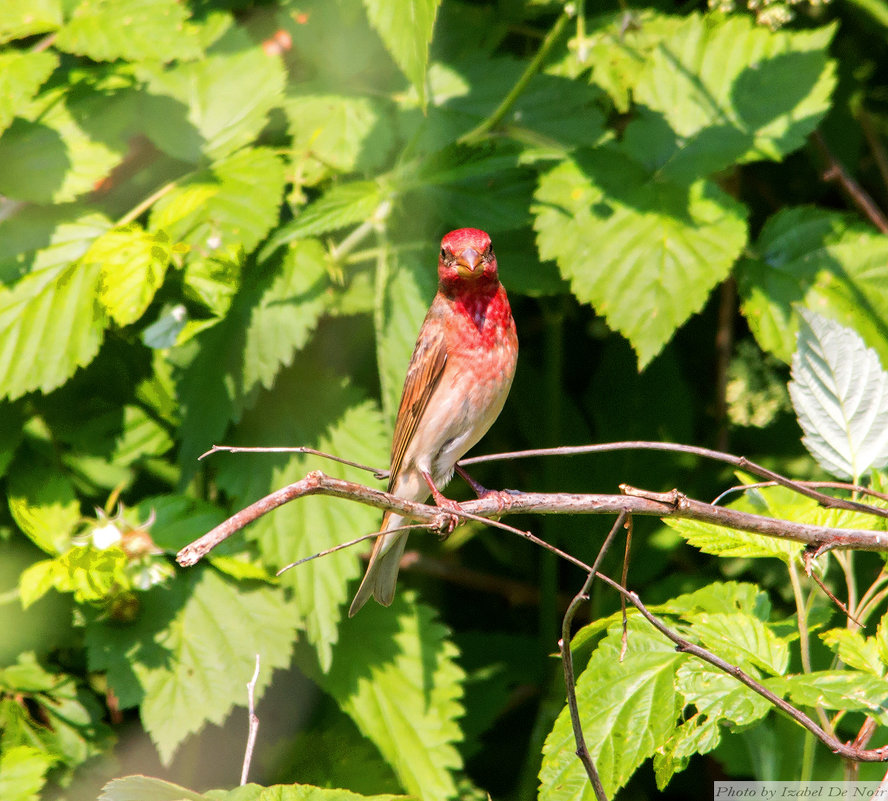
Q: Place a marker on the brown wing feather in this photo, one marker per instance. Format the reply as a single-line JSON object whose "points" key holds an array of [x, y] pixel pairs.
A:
{"points": [[423, 374]]}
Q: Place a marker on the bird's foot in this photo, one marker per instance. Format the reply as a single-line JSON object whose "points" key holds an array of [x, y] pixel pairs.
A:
{"points": [[449, 517]]}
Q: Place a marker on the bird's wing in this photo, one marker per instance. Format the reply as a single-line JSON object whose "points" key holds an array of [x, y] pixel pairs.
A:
{"points": [[423, 374]]}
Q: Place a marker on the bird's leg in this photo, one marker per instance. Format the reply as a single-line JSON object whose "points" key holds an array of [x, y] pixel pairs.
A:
{"points": [[503, 497], [445, 503]]}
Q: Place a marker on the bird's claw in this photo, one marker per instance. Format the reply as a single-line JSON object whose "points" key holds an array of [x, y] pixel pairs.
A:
{"points": [[444, 524], [504, 498]]}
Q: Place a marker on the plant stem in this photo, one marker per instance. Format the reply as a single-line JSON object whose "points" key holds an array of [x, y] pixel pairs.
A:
{"points": [[137, 211], [485, 127]]}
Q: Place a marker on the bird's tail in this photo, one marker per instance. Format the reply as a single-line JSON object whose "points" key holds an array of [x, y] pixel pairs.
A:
{"points": [[382, 571]]}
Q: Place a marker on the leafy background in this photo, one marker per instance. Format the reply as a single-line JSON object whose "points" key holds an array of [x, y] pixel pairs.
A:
{"points": [[219, 223]]}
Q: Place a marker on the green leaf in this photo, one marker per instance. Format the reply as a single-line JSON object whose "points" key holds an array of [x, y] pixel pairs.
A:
{"points": [[39, 237], [405, 26], [91, 574], [405, 297], [731, 542], [719, 696], [855, 650], [840, 394], [628, 240], [212, 107], [133, 263], [269, 321], [235, 202], [66, 141], [144, 788], [21, 75], [52, 311], [136, 30], [21, 18], [734, 92], [309, 407], [836, 689], [615, 697], [741, 637], [336, 134], [343, 205], [395, 673], [141, 436], [43, 505], [192, 649], [23, 772], [824, 261]]}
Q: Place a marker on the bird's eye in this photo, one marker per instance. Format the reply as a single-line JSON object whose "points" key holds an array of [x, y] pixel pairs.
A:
{"points": [[488, 254], [443, 253]]}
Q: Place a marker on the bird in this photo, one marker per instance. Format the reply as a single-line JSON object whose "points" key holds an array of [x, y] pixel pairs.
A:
{"points": [[456, 385]]}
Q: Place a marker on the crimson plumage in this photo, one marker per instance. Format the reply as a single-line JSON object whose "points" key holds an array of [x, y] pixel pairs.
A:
{"points": [[457, 382]]}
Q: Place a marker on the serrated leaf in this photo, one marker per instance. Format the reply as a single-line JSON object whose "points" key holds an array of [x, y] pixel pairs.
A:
{"points": [[21, 18], [615, 696], [840, 393], [728, 542], [343, 205], [309, 407], [740, 637], [145, 788], [836, 689], [135, 30], [405, 26], [268, 322], [133, 264], [66, 141], [90, 574], [235, 202], [141, 436], [21, 75], [734, 92], [855, 650], [395, 673], [23, 772], [719, 696], [44, 506], [226, 95], [820, 259], [192, 649], [40, 237], [336, 134], [627, 241], [404, 298], [53, 311]]}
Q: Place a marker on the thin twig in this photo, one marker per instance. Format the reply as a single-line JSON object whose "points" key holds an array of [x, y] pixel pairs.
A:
{"points": [[377, 472], [842, 485], [343, 545], [685, 646], [740, 462], [812, 574], [836, 171], [567, 660], [671, 504], [254, 723]]}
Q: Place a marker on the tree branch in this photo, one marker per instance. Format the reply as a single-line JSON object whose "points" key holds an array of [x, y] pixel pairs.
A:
{"points": [[634, 501]]}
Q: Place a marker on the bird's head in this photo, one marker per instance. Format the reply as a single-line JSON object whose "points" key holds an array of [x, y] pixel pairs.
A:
{"points": [[466, 258]]}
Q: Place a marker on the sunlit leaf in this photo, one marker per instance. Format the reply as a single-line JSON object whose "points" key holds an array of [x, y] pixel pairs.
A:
{"points": [[840, 394]]}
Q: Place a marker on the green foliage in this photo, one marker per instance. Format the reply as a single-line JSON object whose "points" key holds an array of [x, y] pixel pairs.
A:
{"points": [[219, 224]]}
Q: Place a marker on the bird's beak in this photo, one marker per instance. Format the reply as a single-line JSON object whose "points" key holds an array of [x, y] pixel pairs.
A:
{"points": [[467, 262]]}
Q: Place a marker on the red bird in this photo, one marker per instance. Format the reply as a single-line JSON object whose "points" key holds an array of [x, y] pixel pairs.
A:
{"points": [[457, 382]]}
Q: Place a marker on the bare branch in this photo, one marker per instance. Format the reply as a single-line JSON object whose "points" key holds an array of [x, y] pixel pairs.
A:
{"points": [[634, 501], [843, 749], [740, 462]]}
